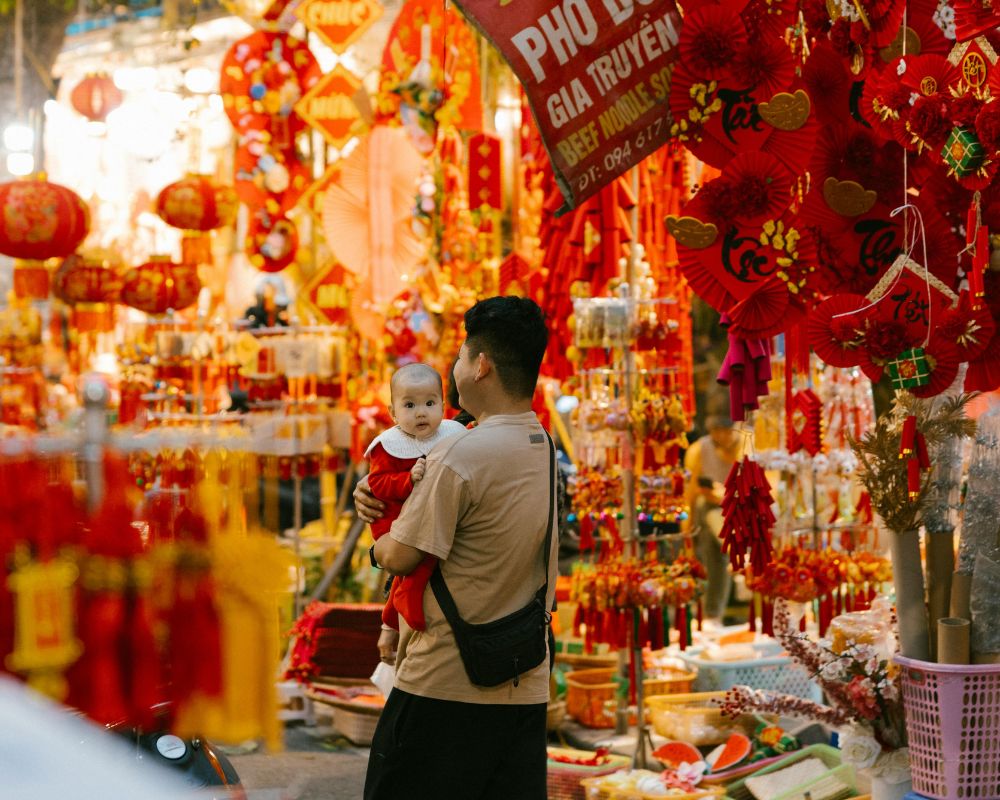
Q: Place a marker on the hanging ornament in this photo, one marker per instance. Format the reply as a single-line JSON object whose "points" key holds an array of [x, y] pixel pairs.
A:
{"points": [[96, 96], [197, 204], [748, 517], [160, 285]]}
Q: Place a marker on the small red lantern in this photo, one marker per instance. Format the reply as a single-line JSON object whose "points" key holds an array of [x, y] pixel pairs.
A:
{"points": [[90, 286], [96, 96], [272, 242], [197, 204], [160, 285], [39, 220]]}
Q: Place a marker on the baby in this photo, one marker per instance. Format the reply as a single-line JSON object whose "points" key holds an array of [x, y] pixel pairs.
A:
{"points": [[397, 463]]}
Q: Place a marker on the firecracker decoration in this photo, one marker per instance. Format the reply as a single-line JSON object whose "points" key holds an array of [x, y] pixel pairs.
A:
{"points": [[805, 423], [748, 516]]}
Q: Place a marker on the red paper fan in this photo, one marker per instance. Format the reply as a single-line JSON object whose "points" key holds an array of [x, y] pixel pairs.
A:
{"points": [[741, 125], [885, 17], [943, 359], [928, 74], [828, 82], [764, 313], [969, 330], [765, 66], [984, 370], [834, 330], [765, 18], [885, 101], [753, 187], [711, 38]]}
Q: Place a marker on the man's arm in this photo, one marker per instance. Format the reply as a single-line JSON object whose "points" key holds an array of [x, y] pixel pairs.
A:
{"points": [[396, 557]]}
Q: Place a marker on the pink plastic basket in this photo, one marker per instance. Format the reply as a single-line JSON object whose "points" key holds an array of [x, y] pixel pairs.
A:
{"points": [[953, 727]]}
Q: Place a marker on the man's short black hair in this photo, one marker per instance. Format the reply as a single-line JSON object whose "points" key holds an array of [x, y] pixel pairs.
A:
{"points": [[511, 332]]}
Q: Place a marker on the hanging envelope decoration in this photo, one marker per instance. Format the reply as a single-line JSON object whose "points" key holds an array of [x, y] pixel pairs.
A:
{"points": [[910, 295], [805, 428]]}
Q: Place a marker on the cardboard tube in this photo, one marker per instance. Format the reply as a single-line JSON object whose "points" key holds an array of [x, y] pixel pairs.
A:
{"points": [[953, 640], [911, 607], [986, 658], [961, 592], [940, 566]]}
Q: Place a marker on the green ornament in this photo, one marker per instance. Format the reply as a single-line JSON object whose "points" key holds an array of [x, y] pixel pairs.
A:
{"points": [[963, 152], [910, 369]]}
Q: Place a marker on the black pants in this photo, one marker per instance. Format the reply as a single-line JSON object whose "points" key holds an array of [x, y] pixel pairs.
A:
{"points": [[445, 750]]}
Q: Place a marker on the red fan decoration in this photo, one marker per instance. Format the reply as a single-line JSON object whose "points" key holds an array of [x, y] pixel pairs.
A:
{"points": [[828, 82], [748, 518], [836, 330], [943, 360], [712, 38]]}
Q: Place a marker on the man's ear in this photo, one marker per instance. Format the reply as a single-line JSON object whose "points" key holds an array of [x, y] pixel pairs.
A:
{"points": [[483, 367]]}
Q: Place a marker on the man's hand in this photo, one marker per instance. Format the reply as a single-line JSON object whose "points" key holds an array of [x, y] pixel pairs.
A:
{"points": [[369, 507], [388, 641], [418, 470]]}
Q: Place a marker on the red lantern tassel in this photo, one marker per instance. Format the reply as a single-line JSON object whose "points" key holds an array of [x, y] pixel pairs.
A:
{"points": [[143, 665], [682, 628], [586, 534], [101, 628], [656, 628], [766, 617]]}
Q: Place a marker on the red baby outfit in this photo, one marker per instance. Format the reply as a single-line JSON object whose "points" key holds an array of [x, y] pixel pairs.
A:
{"points": [[393, 454]]}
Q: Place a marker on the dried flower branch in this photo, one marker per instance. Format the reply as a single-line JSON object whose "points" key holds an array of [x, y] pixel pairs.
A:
{"points": [[881, 470], [744, 700]]}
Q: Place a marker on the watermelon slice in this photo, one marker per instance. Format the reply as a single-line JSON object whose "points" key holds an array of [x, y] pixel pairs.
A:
{"points": [[726, 756], [673, 754]]}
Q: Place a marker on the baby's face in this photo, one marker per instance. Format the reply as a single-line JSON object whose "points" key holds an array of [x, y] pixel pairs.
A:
{"points": [[417, 407]]}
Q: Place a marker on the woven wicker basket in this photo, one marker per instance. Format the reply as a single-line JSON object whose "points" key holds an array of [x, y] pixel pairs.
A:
{"points": [[356, 721], [564, 779], [591, 693], [696, 718]]}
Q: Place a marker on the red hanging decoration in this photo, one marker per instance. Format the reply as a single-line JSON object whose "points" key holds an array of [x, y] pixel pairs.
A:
{"points": [[748, 518]]}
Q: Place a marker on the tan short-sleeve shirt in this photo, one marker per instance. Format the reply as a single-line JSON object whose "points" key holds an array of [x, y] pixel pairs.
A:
{"points": [[482, 509]]}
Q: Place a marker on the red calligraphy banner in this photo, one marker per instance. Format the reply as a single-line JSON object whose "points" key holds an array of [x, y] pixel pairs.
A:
{"points": [[597, 75]]}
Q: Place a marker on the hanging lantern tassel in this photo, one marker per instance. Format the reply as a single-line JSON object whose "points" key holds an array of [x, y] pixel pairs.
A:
{"points": [[142, 653], [682, 626], [586, 534]]}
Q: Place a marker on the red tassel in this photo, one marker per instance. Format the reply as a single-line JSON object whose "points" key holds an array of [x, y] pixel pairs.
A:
{"points": [[681, 617], [752, 615], [656, 628], [143, 665], [101, 628], [767, 617], [586, 534]]}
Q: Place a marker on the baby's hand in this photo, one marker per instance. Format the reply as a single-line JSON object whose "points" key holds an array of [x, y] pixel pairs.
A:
{"points": [[387, 642], [418, 470]]}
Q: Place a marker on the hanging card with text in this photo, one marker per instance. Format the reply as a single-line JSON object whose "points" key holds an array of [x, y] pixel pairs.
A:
{"points": [[597, 75]]}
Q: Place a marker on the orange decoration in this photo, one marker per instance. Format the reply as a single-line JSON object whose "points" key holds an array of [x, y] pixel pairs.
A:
{"points": [[160, 285], [327, 294], [339, 23], [329, 107], [272, 242], [96, 96], [485, 187], [40, 220], [31, 280]]}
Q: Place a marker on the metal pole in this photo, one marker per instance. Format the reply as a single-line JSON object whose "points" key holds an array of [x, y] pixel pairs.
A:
{"points": [[18, 58], [95, 431]]}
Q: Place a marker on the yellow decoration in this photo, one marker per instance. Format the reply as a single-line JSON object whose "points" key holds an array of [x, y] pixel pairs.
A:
{"points": [[44, 638]]}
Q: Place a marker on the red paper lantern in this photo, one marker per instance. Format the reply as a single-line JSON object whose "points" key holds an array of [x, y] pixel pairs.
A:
{"points": [[96, 96], [86, 279], [41, 220], [160, 285], [197, 203]]}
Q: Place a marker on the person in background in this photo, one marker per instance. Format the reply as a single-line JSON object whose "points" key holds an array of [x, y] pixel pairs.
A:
{"points": [[708, 462], [482, 509], [397, 465]]}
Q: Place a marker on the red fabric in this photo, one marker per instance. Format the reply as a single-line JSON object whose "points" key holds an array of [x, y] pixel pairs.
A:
{"points": [[389, 480]]}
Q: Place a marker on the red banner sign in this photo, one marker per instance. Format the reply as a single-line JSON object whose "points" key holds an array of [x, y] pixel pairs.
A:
{"points": [[597, 75], [339, 23]]}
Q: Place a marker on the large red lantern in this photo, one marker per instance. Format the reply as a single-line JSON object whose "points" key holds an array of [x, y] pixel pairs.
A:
{"points": [[160, 285], [90, 286], [39, 220], [197, 204], [96, 96]]}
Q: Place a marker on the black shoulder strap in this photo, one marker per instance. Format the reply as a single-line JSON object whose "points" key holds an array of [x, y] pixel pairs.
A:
{"points": [[440, 588]]}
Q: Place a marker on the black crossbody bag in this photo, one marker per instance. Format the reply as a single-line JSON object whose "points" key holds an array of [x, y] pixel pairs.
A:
{"points": [[503, 650]]}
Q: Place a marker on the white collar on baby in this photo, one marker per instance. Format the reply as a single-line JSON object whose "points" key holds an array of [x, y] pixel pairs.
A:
{"points": [[402, 445]]}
